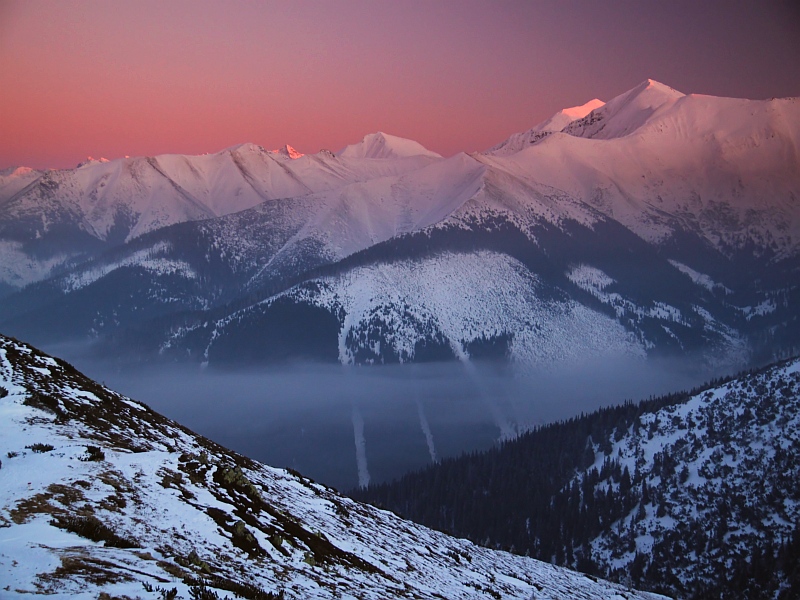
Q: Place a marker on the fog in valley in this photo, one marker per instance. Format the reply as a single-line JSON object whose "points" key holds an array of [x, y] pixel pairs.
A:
{"points": [[348, 426]]}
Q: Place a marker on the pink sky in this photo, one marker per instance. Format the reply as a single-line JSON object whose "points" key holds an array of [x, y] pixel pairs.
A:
{"points": [[111, 78]]}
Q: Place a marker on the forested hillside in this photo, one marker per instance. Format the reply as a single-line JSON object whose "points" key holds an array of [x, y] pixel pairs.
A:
{"points": [[694, 494]]}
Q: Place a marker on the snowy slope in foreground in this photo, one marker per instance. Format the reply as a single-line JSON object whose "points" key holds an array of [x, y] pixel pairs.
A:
{"points": [[171, 509]]}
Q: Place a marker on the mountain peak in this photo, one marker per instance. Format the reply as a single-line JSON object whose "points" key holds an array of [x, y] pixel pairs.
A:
{"points": [[383, 145], [654, 90], [16, 171], [557, 122], [652, 84], [578, 112], [627, 112], [288, 152], [91, 161]]}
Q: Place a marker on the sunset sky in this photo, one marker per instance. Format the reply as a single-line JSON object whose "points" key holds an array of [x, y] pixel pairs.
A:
{"points": [[113, 78]]}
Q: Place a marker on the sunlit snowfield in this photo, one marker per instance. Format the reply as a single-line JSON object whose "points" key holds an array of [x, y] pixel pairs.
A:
{"points": [[347, 426]]}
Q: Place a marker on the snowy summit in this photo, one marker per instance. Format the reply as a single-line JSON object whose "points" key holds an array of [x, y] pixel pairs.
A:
{"points": [[383, 145], [288, 152], [557, 122]]}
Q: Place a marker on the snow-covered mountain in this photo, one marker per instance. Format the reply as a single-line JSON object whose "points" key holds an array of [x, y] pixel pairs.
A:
{"points": [[383, 145], [664, 165], [289, 152], [14, 179], [100, 496], [519, 141], [49, 218], [626, 113], [203, 264], [696, 495], [662, 222]]}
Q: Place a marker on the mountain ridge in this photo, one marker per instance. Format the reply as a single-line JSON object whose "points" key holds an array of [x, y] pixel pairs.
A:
{"points": [[694, 188], [555, 123], [105, 204]]}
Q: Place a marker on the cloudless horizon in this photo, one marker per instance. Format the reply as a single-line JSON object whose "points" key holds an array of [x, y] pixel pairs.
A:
{"points": [[113, 78]]}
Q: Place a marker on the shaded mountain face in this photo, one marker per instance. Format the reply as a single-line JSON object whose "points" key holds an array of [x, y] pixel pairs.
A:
{"points": [[693, 495], [101, 495], [656, 224]]}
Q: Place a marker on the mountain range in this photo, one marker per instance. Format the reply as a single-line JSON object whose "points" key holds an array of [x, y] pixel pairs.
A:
{"points": [[655, 224]]}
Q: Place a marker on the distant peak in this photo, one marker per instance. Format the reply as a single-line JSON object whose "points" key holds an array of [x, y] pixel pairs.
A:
{"points": [[648, 96], [382, 139], [288, 152], [625, 114], [15, 171], [383, 145], [578, 112], [657, 86], [90, 160], [557, 122]]}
